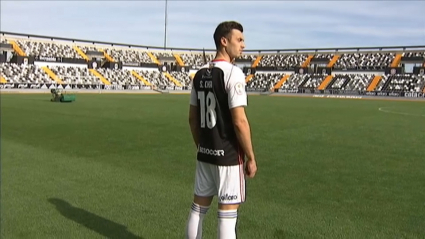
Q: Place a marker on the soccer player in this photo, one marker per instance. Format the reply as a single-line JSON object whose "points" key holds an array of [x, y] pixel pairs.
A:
{"points": [[222, 135]]}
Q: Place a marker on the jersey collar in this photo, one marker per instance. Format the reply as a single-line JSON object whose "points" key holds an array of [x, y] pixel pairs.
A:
{"points": [[217, 60]]}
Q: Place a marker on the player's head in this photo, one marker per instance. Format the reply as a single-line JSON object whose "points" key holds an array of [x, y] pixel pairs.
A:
{"points": [[229, 39]]}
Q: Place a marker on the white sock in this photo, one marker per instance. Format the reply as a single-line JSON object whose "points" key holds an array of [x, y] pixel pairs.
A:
{"points": [[194, 223], [227, 224]]}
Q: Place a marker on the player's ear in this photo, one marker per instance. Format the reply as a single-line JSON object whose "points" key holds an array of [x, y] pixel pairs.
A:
{"points": [[224, 41]]}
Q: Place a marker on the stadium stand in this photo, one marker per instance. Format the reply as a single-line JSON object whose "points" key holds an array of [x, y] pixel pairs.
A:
{"points": [[402, 83], [414, 54], [295, 81], [27, 59], [182, 77], [23, 74], [195, 59], [159, 55], [312, 81], [364, 61], [74, 75], [351, 82], [128, 56], [119, 76], [264, 80], [287, 61], [47, 49], [155, 78]]}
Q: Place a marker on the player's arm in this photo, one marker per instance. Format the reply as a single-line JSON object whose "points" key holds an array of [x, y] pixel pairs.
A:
{"points": [[193, 116], [237, 103], [193, 122], [243, 131]]}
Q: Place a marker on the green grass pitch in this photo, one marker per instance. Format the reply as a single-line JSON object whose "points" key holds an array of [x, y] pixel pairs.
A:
{"points": [[122, 166]]}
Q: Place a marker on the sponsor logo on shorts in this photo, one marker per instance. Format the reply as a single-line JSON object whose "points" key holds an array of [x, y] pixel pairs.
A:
{"points": [[228, 197], [213, 152]]}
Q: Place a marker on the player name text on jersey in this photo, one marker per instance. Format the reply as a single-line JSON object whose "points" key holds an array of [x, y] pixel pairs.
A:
{"points": [[206, 84]]}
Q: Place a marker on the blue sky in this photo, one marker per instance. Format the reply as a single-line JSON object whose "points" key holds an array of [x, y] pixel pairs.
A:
{"points": [[268, 24]]}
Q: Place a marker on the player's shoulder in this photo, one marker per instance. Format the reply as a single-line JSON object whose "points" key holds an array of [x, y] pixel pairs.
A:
{"points": [[221, 65], [228, 68], [201, 70], [230, 71], [235, 74], [237, 71]]}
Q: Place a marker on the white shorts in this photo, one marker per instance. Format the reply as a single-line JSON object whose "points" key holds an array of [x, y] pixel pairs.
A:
{"points": [[226, 182]]}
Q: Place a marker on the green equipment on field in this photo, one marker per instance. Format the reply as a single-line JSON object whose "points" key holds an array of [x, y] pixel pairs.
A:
{"points": [[59, 96]]}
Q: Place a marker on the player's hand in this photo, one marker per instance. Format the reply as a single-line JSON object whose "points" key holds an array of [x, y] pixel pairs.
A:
{"points": [[250, 168]]}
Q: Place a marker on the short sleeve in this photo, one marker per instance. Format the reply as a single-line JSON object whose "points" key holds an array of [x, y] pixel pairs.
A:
{"points": [[236, 89], [193, 96]]}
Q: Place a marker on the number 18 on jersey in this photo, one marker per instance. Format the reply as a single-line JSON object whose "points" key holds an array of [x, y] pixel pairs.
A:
{"points": [[207, 106]]}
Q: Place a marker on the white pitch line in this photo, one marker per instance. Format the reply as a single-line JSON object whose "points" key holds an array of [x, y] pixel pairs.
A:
{"points": [[382, 109]]}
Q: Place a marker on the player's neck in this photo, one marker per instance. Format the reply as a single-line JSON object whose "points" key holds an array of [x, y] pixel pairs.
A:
{"points": [[219, 56]]}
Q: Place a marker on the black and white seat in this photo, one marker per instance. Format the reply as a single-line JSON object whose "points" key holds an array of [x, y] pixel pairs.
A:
{"points": [[48, 49], [182, 77], [128, 55], [195, 59], [75, 75], [264, 80], [294, 81], [17, 73], [119, 76], [364, 61], [313, 81], [155, 78], [352, 82], [402, 83], [286, 61]]}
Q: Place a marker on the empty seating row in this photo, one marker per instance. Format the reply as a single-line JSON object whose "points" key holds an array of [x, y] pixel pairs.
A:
{"points": [[312, 81], [119, 77], [264, 80], [155, 78], [48, 49], [74, 75], [196, 59], [414, 54], [182, 77], [351, 82], [288, 61], [323, 56], [162, 54], [81, 75], [14, 73], [365, 61], [128, 55], [355, 60], [401, 83], [294, 81]]}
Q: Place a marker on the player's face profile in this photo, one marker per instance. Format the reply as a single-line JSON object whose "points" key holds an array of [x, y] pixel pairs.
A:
{"points": [[236, 43]]}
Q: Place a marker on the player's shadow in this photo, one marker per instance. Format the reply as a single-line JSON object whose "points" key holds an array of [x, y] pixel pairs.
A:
{"points": [[103, 226]]}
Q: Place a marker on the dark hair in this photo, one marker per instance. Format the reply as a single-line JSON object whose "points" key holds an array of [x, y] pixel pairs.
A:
{"points": [[224, 29]]}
